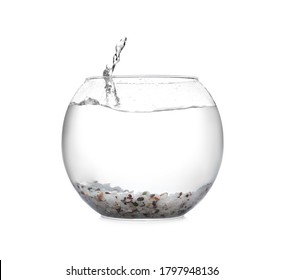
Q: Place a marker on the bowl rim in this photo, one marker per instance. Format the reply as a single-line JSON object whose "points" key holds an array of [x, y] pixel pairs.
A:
{"points": [[147, 76]]}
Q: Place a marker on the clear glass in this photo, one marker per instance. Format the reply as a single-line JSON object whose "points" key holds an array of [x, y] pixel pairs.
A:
{"points": [[150, 150]]}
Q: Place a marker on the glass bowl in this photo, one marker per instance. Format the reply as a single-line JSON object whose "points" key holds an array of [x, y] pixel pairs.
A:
{"points": [[147, 147]]}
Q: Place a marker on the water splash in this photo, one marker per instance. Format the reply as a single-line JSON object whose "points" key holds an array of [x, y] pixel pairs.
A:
{"points": [[116, 58], [111, 93]]}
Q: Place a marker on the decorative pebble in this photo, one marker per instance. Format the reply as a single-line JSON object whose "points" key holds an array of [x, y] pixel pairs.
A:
{"points": [[114, 202]]}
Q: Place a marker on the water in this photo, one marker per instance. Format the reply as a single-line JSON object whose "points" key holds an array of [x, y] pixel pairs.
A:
{"points": [[164, 151], [112, 98], [116, 58]]}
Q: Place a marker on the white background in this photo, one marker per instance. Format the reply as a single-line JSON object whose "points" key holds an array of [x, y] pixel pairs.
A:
{"points": [[47, 50]]}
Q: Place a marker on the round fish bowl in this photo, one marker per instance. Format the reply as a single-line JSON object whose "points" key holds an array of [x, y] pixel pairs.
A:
{"points": [[142, 147]]}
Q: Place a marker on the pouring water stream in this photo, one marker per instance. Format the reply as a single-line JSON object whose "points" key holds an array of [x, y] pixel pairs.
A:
{"points": [[111, 93]]}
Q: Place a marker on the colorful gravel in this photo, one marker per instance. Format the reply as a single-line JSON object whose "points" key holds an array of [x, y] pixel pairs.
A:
{"points": [[118, 203]]}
